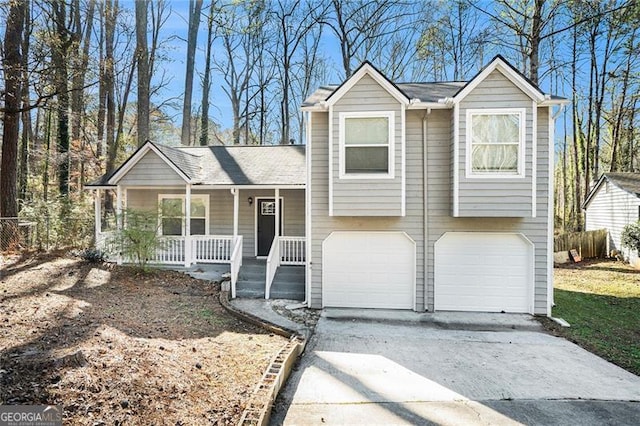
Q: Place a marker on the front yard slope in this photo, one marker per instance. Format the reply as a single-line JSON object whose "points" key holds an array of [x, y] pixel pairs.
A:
{"points": [[114, 346]]}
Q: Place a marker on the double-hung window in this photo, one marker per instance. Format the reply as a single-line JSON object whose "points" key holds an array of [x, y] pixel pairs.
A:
{"points": [[366, 144], [495, 142], [173, 214]]}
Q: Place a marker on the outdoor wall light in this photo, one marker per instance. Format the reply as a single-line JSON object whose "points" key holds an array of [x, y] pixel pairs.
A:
{"points": [[250, 200]]}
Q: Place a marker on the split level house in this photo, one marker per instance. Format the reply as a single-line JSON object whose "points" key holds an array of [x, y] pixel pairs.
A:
{"points": [[416, 196]]}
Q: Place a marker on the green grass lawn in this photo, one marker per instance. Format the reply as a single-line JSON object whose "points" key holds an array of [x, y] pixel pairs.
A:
{"points": [[601, 301]]}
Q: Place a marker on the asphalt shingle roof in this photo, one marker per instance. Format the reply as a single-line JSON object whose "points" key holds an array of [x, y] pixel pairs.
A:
{"points": [[187, 162], [251, 165], [235, 165], [426, 92], [629, 182]]}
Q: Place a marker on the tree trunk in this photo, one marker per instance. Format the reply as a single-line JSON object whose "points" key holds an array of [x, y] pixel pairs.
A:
{"points": [[195, 6], [536, 29], [206, 82], [59, 61], [81, 62], [27, 128], [142, 56], [109, 77], [12, 62]]}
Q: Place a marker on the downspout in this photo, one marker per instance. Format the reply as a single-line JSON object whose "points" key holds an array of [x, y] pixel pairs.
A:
{"points": [[425, 275], [308, 229]]}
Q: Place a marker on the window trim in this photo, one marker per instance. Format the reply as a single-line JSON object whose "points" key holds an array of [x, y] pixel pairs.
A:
{"points": [[182, 197], [390, 116], [520, 173]]}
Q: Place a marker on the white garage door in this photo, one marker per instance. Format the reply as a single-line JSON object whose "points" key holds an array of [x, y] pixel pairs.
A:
{"points": [[368, 270], [483, 272]]}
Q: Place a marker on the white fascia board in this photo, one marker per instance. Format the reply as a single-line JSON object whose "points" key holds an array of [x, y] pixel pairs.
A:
{"points": [[507, 71], [314, 108], [553, 102], [132, 161], [367, 69], [429, 105], [243, 187]]}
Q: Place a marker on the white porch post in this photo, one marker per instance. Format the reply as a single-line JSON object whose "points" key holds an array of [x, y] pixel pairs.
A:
{"points": [[236, 209], [119, 221], [98, 216], [277, 233], [187, 226]]}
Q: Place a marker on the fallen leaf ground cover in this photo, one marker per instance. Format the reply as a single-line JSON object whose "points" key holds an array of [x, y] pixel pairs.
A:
{"points": [[113, 345], [601, 301]]}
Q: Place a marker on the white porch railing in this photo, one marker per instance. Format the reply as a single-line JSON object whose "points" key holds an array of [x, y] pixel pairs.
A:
{"points": [[170, 252], [284, 251], [292, 250], [273, 262], [106, 243], [212, 248], [236, 263]]}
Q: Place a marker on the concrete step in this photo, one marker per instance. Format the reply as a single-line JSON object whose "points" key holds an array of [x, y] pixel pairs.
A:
{"points": [[249, 294]]}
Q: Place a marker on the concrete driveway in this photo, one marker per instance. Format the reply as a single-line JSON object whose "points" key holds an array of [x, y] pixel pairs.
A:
{"points": [[366, 372]]}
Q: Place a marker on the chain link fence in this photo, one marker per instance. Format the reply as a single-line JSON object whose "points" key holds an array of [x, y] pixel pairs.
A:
{"points": [[46, 233]]}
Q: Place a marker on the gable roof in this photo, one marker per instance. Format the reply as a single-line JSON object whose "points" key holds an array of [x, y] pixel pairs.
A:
{"points": [[628, 182], [438, 94], [367, 69], [181, 163], [223, 165], [506, 69]]}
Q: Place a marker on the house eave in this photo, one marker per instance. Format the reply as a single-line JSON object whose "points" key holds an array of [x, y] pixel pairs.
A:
{"points": [[429, 105]]}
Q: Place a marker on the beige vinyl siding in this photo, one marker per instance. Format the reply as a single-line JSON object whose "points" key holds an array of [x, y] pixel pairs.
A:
{"points": [[440, 221], [612, 208], [367, 197], [151, 170], [323, 224], [221, 210], [495, 197], [438, 204]]}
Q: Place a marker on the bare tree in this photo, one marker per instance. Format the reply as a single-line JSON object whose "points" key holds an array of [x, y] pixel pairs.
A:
{"points": [[195, 7], [295, 21], [361, 26], [206, 78], [144, 77], [456, 39]]}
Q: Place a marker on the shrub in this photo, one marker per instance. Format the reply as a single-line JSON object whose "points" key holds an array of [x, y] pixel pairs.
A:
{"points": [[92, 255], [139, 237], [630, 237]]}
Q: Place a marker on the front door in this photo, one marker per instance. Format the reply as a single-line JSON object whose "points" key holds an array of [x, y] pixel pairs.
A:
{"points": [[266, 224]]}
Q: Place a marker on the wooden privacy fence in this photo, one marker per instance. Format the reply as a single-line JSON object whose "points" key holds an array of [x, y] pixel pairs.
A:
{"points": [[588, 243]]}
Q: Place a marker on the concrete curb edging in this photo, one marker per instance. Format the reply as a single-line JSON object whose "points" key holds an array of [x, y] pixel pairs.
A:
{"points": [[258, 411]]}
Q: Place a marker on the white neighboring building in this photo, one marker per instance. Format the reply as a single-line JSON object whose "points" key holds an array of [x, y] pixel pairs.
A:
{"points": [[613, 203]]}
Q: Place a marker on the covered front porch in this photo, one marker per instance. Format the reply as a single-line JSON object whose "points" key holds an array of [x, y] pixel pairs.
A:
{"points": [[223, 226], [209, 205]]}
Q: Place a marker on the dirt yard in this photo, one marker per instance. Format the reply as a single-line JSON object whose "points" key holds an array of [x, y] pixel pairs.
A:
{"points": [[115, 346]]}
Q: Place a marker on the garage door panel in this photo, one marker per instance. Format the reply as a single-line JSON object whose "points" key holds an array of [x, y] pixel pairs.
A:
{"points": [[488, 272], [369, 270]]}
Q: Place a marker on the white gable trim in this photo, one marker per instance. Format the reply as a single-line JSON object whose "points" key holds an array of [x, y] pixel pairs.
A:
{"points": [[508, 72], [128, 165], [367, 69]]}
